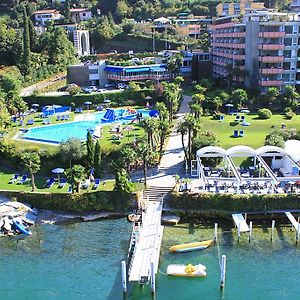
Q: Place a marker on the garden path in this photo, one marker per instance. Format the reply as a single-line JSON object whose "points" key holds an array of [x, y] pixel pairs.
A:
{"points": [[172, 162]]}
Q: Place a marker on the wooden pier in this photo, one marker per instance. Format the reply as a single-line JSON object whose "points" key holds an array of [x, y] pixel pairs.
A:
{"points": [[145, 244]]}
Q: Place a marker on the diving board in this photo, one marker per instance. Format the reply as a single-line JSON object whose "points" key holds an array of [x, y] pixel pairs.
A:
{"points": [[292, 220], [240, 222]]}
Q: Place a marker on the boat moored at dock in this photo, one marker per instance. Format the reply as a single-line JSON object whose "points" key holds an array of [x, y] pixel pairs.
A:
{"points": [[191, 246]]}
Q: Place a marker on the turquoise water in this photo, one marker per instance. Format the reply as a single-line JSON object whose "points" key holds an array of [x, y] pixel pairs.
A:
{"points": [[82, 261], [61, 132]]}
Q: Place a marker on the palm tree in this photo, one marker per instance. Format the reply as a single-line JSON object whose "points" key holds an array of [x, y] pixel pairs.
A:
{"points": [[196, 109], [32, 163], [146, 155], [150, 125], [164, 129], [75, 175], [182, 129], [128, 157]]}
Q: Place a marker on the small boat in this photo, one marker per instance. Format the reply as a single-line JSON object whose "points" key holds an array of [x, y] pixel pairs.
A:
{"points": [[20, 227], [191, 246], [187, 270]]}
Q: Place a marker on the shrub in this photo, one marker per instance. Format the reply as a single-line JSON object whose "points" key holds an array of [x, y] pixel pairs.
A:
{"points": [[73, 89], [264, 113]]}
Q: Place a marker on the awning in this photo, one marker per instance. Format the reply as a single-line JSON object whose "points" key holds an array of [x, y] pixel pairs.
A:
{"points": [[157, 69], [114, 69], [137, 70]]}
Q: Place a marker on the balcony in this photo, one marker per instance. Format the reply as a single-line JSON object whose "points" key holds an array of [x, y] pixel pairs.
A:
{"points": [[229, 34], [271, 59], [270, 83], [278, 34], [228, 45], [271, 47], [269, 71]]}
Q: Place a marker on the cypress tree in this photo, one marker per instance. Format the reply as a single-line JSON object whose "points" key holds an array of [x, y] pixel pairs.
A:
{"points": [[26, 45], [33, 36], [90, 145], [67, 11], [97, 161]]}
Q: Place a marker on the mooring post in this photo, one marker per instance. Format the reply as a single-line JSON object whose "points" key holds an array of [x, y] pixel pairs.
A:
{"points": [[124, 276], [298, 232], [223, 271], [250, 232], [272, 230], [239, 231], [152, 278], [216, 232], [246, 217]]}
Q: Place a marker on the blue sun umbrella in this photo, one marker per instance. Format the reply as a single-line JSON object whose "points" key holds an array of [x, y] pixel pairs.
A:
{"points": [[58, 171], [154, 113]]}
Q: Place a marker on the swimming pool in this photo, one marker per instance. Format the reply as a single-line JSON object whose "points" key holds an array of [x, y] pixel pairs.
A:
{"points": [[61, 132]]}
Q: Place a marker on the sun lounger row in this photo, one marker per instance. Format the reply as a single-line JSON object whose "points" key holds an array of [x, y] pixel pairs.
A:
{"points": [[62, 117], [18, 179], [87, 184]]}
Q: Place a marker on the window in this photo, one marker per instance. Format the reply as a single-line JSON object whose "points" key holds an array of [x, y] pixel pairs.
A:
{"points": [[288, 29], [287, 53], [288, 42], [93, 71]]}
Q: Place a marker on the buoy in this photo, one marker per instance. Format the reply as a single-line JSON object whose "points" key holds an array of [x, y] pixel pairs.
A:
{"points": [[250, 232], [272, 230]]}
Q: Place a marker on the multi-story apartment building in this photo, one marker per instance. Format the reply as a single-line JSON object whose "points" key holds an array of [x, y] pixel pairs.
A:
{"points": [[235, 8], [260, 49]]}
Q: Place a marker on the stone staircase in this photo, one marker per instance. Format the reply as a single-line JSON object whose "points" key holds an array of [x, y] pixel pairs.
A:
{"points": [[155, 193]]}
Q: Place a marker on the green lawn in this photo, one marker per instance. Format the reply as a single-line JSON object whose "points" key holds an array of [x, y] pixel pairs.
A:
{"points": [[254, 135], [41, 182]]}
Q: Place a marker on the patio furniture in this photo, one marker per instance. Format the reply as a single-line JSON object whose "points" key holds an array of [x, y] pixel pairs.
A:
{"points": [[14, 178], [67, 117], [46, 121], [86, 184], [58, 118], [237, 118], [23, 179], [97, 183], [30, 122], [50, 182], [222, 118], [241, 133], [62, 183], [242, 118], [235, 133]]}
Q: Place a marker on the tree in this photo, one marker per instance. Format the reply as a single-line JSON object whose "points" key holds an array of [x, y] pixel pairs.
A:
{"points": [[60, 49], [274, 138], [71, 150], [172, 96], [33, 36], [98, 159], [25, 66], [146, 155], [122, 183], [5, 118], [90, 147], [32, 163], [128, 158], [290, 97], [271, 96], [122, 9], [75, 176], [150, 126], [173, 65], [73, 89], [67, 12], [240, 97]]}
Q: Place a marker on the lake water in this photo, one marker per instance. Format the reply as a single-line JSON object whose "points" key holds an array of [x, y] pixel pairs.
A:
{"points": [[82, 261]]}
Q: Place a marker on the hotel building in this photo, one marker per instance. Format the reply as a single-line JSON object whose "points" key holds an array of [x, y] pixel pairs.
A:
{"points": [[264, 45]]}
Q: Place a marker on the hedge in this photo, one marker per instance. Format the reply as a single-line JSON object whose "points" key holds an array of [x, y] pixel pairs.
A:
{"points": [[96, 201], [118, 97], [233, 202]]}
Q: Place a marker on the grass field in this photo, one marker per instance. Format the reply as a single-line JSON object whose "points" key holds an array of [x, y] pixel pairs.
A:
{"points": [[254, 135], [41, 185]]}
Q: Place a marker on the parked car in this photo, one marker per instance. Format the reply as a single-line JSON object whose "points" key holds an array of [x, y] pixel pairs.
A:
{"points": [[122, 86], [90, 89], [109, 85]]}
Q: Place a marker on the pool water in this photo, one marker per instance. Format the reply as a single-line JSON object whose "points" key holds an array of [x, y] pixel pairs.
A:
{"points": [[78, 129]]}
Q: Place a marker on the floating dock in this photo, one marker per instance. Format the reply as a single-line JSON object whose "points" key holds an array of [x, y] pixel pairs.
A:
{"points": [[146, 244], [240, 222]]}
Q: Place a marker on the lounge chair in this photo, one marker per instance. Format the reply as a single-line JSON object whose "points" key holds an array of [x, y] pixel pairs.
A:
{"points": [[23, 179], [70, 190], [63, 118], [14, 178], [235, 133], [58, 118], [30, 122], [96, 184], [86, 184], [237, 118], [241, 133], [62, 183], [67, 117], [242, 118], [222, 118], [50, 182], [46, 121]]}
